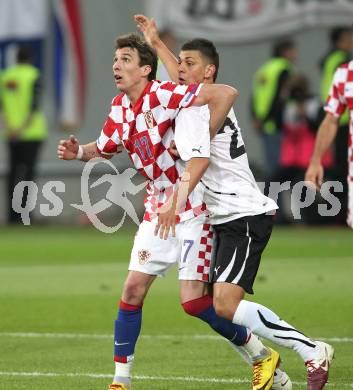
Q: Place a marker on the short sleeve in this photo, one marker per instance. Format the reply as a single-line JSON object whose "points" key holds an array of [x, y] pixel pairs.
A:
{"points": [[109, 139], [336, 103], [192, 132], [173, 96]]}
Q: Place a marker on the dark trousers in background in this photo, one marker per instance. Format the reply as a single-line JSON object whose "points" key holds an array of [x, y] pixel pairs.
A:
{"points": [[272, 150], [340, 171], [23, 157]]}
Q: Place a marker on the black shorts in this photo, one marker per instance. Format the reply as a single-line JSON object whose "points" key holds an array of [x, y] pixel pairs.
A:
{"points": [[239, 245]]}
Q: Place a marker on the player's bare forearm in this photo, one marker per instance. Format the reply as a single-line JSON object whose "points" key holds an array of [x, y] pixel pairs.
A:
{"points": [[169, 60], [325, 136], [150, 32], [70, 149], [194, 170], [220, 99], [90, 151]]}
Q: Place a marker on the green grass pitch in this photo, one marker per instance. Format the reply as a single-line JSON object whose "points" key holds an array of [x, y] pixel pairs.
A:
{"points": [[59, 292]]}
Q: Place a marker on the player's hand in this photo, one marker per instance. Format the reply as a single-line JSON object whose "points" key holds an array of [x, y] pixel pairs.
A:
{"points": [[173, 149], [314, 175], [166, 220], [119, 149], [148, 28], [68, 148]]}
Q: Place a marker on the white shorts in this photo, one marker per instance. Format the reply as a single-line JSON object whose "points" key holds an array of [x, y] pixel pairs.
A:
{"points": [[191, 249]]}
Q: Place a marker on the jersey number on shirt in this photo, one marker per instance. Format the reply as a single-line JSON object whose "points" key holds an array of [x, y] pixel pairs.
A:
{"points": [[143, 147], [234, 150]]}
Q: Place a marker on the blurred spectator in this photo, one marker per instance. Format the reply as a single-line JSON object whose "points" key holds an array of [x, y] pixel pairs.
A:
{"points": [[169, 40], [24, 125], [340, 52], [269, 95], [301, 118]]}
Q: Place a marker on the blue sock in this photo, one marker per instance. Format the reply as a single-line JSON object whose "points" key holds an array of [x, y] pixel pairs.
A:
{"points": [[127, 330], [203, 309]]}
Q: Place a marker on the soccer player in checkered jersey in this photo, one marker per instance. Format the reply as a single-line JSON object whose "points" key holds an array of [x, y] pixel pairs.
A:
{"points": [[238, 214], [340, 98], [141, 119]]}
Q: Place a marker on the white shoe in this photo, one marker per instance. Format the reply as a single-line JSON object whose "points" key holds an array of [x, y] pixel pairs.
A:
{"points": [[329, 350], [318, 369], [281, 381]]}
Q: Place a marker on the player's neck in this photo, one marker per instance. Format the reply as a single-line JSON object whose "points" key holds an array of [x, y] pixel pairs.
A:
{"points": [[136, 91], [208, 81]]}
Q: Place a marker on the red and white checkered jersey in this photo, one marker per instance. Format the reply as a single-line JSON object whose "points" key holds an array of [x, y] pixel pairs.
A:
{"points": [[146, 131], [340, 98]]}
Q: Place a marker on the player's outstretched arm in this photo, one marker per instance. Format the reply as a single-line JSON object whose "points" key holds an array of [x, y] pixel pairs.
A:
{"points": [[220, 99], [70, 149], [150, 32], [325, 136], [194, 170]]}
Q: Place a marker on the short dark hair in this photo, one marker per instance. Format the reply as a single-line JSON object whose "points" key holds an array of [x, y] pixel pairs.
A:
{"points": [[146, 53], [279, 48], [337, 32], [25, 54], [207, 49]]}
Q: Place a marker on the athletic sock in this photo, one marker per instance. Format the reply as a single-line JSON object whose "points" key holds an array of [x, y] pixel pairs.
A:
{"points": [[265, 323], [255, 348], [123, 373], [203, 309], [250, 360], [127, 330]]}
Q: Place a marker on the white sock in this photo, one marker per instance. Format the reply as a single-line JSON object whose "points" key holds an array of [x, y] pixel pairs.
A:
{"points": [[123, 373], [255, 349], [242, 352], [265, 323], [248, 359]]}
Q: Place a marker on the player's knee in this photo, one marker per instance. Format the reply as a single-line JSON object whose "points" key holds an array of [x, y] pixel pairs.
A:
{"points": [[195, 307], [134, 292], [223, 309], [191, 308]]}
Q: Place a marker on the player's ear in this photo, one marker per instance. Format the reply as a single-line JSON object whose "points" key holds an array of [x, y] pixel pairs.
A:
{"points": [[146, 70], [210, 71]]}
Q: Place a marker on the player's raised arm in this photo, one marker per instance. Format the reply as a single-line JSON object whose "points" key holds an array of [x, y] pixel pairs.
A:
{"points": [[150, 32], [220, 99], [325, 136]]}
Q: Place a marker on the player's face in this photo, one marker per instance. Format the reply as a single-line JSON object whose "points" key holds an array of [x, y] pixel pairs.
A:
{"points": [[126, 69], [192, 67]]}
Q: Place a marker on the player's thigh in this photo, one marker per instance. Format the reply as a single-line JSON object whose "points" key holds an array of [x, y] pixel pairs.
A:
{"points": [[196, 240], [240, 244], [150, 254]]}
